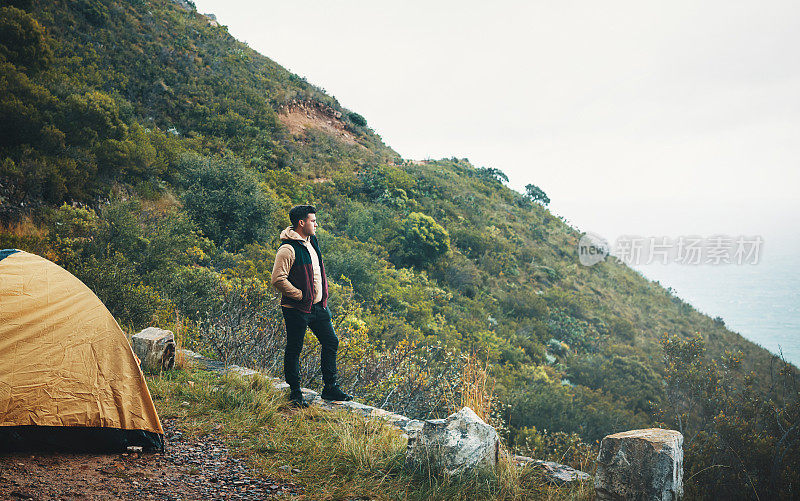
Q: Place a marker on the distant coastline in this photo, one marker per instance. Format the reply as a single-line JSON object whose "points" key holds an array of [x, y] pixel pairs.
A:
{"points": [[761, 302]]}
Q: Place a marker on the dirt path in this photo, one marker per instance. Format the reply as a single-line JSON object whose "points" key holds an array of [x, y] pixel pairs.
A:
{"points": [[190, 469]]}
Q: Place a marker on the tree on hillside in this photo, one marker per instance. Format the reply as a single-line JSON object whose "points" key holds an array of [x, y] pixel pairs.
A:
{"points": [[535, 194], [492, 174]]}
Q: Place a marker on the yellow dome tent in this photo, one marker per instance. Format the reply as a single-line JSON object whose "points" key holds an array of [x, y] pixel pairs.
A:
{"points": [[68, 377]]}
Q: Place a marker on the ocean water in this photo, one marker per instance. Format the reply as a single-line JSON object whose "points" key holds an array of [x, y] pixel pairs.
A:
{"points": [[759, 301]]}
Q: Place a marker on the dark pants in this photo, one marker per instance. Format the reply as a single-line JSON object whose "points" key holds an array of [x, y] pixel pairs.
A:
{"points": [[319, 320]]}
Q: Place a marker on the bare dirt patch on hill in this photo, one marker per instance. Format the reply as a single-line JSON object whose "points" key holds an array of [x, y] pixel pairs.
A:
{"points": [[299, 116]]}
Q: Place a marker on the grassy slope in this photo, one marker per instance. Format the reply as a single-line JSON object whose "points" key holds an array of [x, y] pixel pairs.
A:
{"points": [[612, 289], [338, 455]]}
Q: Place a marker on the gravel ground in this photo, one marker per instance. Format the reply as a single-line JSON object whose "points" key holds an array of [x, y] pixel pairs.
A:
{"points": [[190, 469]]}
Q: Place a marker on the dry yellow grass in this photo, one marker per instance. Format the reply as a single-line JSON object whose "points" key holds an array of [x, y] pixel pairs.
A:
{"points": [[24, 228], [179, 330], [477, 388]]}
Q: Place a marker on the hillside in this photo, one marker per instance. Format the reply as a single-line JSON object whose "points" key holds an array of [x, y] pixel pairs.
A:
{"points": [[155, 157]]}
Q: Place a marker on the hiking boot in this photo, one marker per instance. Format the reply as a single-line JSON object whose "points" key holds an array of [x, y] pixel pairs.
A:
{"points": [[333, 392], [296, 399]]}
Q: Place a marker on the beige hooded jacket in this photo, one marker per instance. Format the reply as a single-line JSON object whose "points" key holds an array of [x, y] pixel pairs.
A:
{"points": [[284, 259]]}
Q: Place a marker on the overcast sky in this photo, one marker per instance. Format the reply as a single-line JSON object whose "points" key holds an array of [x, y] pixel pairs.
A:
{"points": [[635, 117]]}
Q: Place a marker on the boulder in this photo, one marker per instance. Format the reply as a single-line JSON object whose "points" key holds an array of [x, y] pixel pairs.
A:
{"points": [[155, 348], [461, 443], [640, 465]]}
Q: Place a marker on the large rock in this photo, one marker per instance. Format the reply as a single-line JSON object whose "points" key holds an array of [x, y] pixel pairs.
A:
{"points": [[155, 348], [460, 443], [640, 465]]}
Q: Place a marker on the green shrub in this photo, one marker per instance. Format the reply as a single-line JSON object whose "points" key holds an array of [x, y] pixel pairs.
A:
{"points": [[622, 329], [22, 39], [228, 203], [355, 263], [578, 334], [91, 117], [461, 274], [378, 180], [627, 378], [473, 242], [117, 284], [420, 241], [357, 119], [737, 439], [94, 11], [555, 407], [523, 303]]}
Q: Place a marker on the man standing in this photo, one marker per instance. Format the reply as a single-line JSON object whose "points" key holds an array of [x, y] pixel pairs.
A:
{"points": [[299, 274]]}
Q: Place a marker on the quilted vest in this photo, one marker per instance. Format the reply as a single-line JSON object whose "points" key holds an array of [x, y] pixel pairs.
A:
{"points": [[301, 275]]}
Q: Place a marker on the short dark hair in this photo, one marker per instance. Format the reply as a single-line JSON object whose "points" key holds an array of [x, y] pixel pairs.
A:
{"points": [[300, 213]]}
